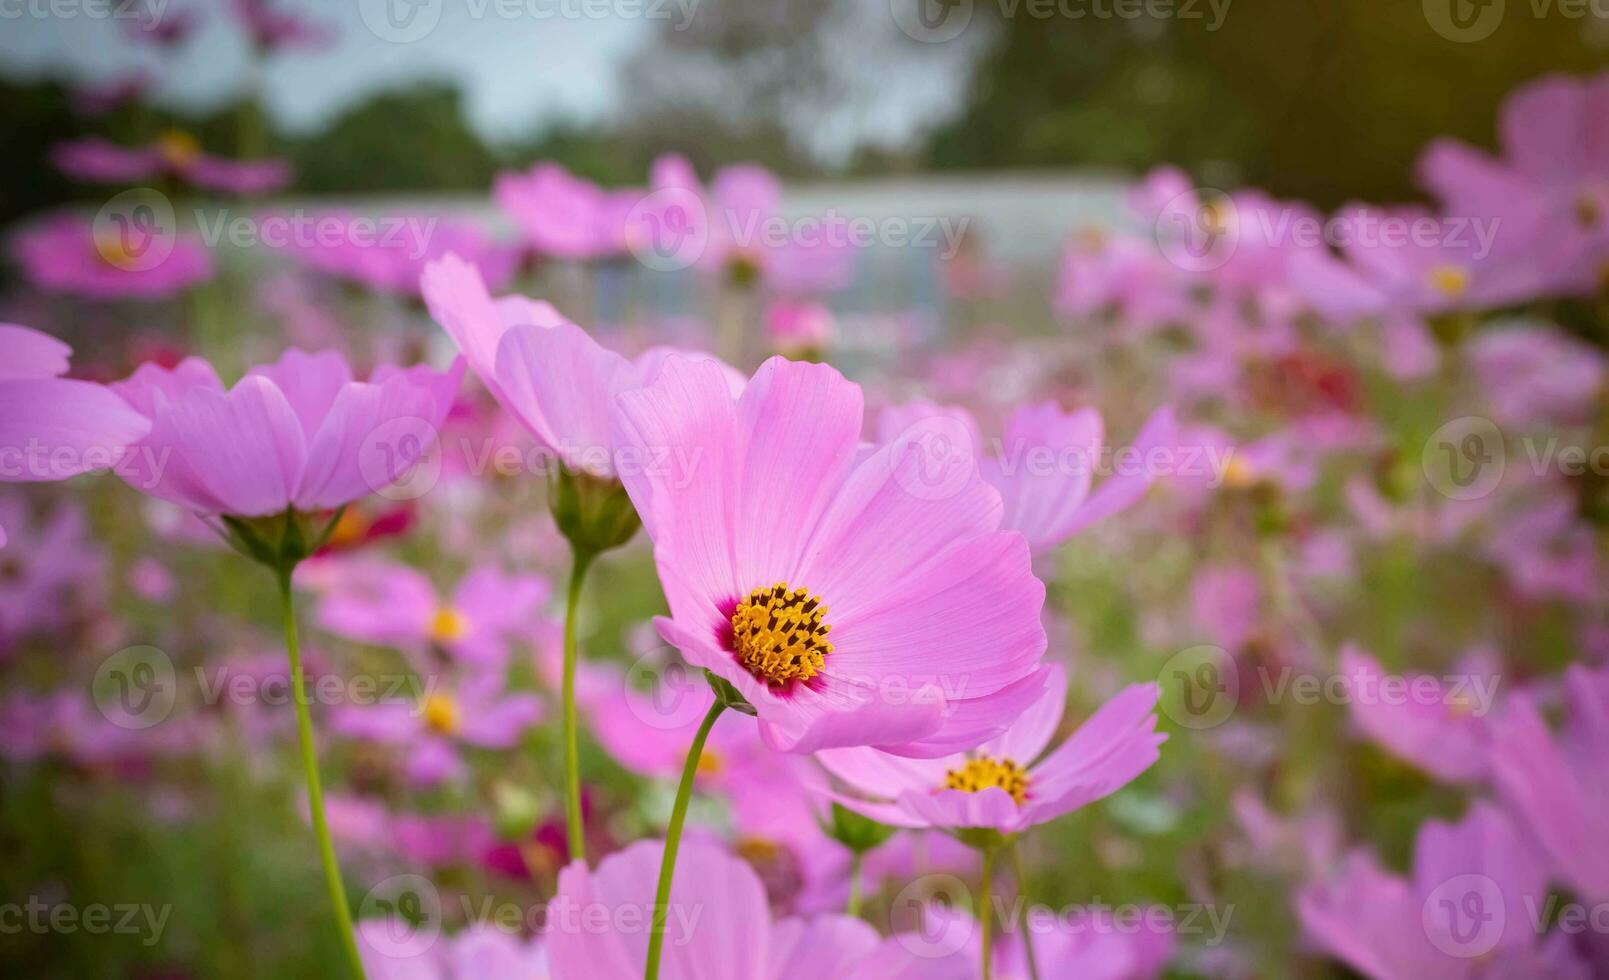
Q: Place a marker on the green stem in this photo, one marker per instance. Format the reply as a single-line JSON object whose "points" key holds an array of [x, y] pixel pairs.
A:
{"points": [[854, 881], [673, 840], [572, 751], [986, 912], [1023, 926], [315, 795]]}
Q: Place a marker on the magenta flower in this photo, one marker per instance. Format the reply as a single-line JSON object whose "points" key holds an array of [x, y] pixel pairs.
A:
{"points": [[769, 535], [1547, 187], [544, 370], [999, 784], [1535, 374], [51, 427], [563, 216], [165, 27], [796, 327], [1439, 729], [175, 154], [64, 254], [1226, 604], [1559, 785], [719, 928], [397, 950], [1465, 911], [296, 434], [390, 253], [45, 564], [1044, 466], [100, 98], [271, 28], [390, 604], [1087, 943], [1101, 274]]}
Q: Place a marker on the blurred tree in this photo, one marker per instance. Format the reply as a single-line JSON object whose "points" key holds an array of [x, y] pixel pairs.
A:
{"points": [[411, 139]]}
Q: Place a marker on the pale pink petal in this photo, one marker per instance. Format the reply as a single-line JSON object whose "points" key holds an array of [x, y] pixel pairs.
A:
{"points": [[31, 354], [240, 453], [560, 383], [54, 428], [310, 382]]}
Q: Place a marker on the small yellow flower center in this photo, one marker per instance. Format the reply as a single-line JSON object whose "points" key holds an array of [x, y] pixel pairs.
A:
{"points": [[984, 771], [448, 625], [779, 634], [710, 763], [1450, 280], [110, 247], [1239, 473], [349, 528], [178, 147], [758, 850], [441, 714]]}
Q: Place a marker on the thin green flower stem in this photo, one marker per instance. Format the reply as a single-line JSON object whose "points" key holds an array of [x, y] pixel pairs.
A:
{"points": [[986, 911], [572, 751], [315, 794], [854, 881], [673, 840], [1022, 893]]}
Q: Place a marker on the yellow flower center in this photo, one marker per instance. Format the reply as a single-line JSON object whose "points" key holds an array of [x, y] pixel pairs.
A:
{"points": [[441, 714], [349, 528], [983, 772], [110, 247], [710, 763], [1450, 280], [1239, 473], [178, 147], [448, 625], [758, 850], [779, 634]]}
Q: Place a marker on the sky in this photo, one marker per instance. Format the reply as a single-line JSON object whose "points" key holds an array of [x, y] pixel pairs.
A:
{"points": [[519, 62]]}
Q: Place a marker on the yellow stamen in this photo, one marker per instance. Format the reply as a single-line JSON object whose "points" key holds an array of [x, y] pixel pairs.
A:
{"points": [[110, 247], [710, 763], [349, 529], [779, 634], [441, 714], [1239, 473], [178, 147], [758, 850], [448, 625], [983, 772], [1450, 280]]}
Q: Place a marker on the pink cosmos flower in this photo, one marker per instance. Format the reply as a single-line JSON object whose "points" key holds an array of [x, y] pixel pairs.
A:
{"points": [[395, 950], [1535, 374], [174, 154], [775, 534], [1465, 911], [167, 29], [389, 604], [1558, 785], [1441, 729], [271, 28], [52, 428], [1306, 844], [795, 327], [47, 562], [471, 709], [1129, 276], [100, 98], [64, 254], [1548, 182], [299, 433], [1000, 784], [544, 370], [1087, 943], [390, 253], [1226, 604], [563, 216], [1043, 467], [719, 928]]}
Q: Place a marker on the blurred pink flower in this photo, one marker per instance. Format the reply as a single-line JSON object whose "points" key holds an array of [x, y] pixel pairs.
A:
{"points": [[299, 433], [45, 562], [563, 216], [272, 28], [389, 604], [719, 928], [391, 950], [1465, 912], [64, 254], [1439, 728], [390, 252], [166, 27], [1558, 784], [796, 327], [1226, 604], [174, 154], [998, 784], [100, 98], [777, 521], [1044, 464], [1537, 375], [1088, 943]]}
